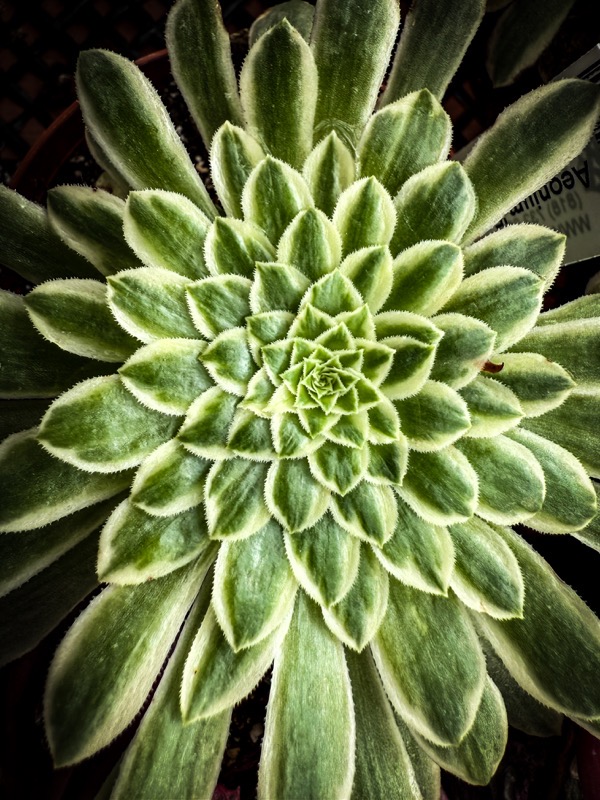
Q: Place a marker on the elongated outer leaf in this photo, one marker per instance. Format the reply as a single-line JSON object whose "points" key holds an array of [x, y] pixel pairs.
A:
{"points": [[167, 756], [350, 76], [254, 588], [430, 26], [105, 666], [438, 697], [111, 90], [557, 636], [299, 13], [19, 415], [233, 156], [116, 182], [31, 247], [235, 507], [545, 130], [328, 171], [98, 426], [166, 230], [74, 315], [476, 758], [486, 574], [308, 748], [383, 767], [30, 612], [31, 367], [426, 770], [293, 496], [38, 489], [278, 87], [200, 55]]}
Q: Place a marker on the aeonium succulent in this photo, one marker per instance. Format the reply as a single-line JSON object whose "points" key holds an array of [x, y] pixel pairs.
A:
{"points": [[294, 427]]}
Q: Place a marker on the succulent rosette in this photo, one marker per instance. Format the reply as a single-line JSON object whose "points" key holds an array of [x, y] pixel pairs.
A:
{"points": [[295, 427]]}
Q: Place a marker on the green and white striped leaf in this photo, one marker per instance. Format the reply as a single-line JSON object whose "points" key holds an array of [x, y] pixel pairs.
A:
{"points": [[493, 407], [384, 424], [308, 748], [370, 270], [521, 292], [368, 511], [426, 771], [167, 375], [298, 13], [149, 303], [540, 384], [254, 588], [570, 501], [137, 547], [110, 89], [446, 30], [486, 574], [277, 287], [235, 508], [511, 481], [383, 766], [418, 554], [265, 328], [557, 636], [364, 215], [250, 436], [107, 663], [200, 56], [357, 617], [38, 489], [289, 437], [311, 243], [229, 362], [442, 487], [462, 352], [339, 467], [328, 171], [278, 87], [324, 560], [476, 758], [425, 277], [273, 195], [74, 315], [98, 426], [532, 247], [438, 697], [293, 496], [405, 323], [545, 129], [166, 230], [434, 418], [590, 535], [334, 294], [411, 366], [206, 427], [388, 462], [232, 247], [404, 138], [217, 304], [90, 222], [233, 156], [170, 480], [586, 307]]}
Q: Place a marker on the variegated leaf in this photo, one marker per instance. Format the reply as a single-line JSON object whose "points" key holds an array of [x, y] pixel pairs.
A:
{"points": [[217, 304], [250, 436], [277, 287], [328, 171], [235, 508], [232, 247], [233, 156], [493, 407], [411, 366], [298, 13], [368, 511], [434, 418], [388, 462], [540, 384], [463, 350], [206, 426], [338, 467], [310, 243], [364, 215], [370, 270]]}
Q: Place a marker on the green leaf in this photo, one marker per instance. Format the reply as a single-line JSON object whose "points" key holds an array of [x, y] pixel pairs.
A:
{"points": [[149, 303], [540, 384], [425, 277], [442, 487], [229, 362], [590, 535], [31, 247], [349, 75], [232, 247], [311, 243], [166, 375], [107, 663], [478, 755], [586, 307], [98, 426], [532, 247], [38, 489], [293, 496], [430, 27], [259, 393], [250, 436], [364, 215], [545, 129], [370, 270], [388, 462], [166, 230], [290, 438], [405, 323], [328, 171], [570, 501], [368, 511], [235, 508], [233, 156], [384, 424], [438, 697], [338, 467], [308, 748], [217, 304], [91, 223], [404, 138], [411, 367], [74, 315], [200, 56], [137, 547], [433, 418], [265, 328], [298, 13], [273, 195], [170, 480], [334, 294], [111, 89], [557, 636], [278, 86], [436, 203], [350, 430], [277, 287], [418, 554], [493, 407], [426, 771], [254, 588], [206, 427], [486, 574], [463, 351], [116, 182]]}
